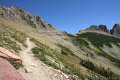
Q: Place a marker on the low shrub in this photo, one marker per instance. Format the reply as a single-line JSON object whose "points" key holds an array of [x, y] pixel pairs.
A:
{"points": [[100, 70], [15, 64]]}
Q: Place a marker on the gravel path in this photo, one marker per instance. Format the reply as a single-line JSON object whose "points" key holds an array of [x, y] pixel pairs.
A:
{"points": [[34, 69]]}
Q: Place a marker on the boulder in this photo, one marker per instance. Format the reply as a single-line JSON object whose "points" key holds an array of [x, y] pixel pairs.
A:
{"points": [[4, 53], [8, 72]]}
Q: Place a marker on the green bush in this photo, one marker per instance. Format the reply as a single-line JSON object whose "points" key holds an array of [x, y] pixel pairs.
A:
{"points": [[36, 50], [39, 53], [16, 65], [87, 64]]}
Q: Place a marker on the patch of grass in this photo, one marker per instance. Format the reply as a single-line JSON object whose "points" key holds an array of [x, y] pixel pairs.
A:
{"points": [[65, 50], [111, 58], [41, 53], [66, 58], [9, 36], [7, 42], [100, 70], [70, 62], [39, 44], [81, 42], [9, 39], [20, 37]]}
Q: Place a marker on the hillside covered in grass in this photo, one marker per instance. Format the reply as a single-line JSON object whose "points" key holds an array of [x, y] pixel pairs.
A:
{"points": [[10, 38], [98, 45], [98, 40]]}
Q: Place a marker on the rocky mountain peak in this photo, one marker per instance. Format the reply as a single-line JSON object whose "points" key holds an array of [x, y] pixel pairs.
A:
{"points": [[99, 28], [116, 30], [103, 28], [17, 14]]}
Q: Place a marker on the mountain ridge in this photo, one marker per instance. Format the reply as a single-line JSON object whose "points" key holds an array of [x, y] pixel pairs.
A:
{"points": [[18, 14]]}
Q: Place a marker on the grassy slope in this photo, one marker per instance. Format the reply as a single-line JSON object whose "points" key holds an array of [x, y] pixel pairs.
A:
{"points": [[63, 59], [98, 41], [70, 64], [18, 34], [9, 38]]}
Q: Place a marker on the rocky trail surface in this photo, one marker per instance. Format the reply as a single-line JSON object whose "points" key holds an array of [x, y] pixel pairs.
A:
{"points": [[34, 69]]}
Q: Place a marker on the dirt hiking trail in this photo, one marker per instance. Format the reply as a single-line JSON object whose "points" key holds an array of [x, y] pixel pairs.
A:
{"points": [[34, 69]]}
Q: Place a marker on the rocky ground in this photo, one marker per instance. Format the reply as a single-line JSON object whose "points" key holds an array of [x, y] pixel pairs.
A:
{"points": [[34, 69]]}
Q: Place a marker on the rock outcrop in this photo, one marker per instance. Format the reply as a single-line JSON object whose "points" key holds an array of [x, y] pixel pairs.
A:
{"points": [[17, 14], [8, 72], [4, 53], [116, 30], [98, 28], [8, 54], [103, 28]]}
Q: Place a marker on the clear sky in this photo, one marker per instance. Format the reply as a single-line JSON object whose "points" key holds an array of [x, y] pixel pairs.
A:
{"points": [[71, 15]]}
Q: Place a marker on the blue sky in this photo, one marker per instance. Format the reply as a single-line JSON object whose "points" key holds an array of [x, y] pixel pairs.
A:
{"points": [[71, 15]]}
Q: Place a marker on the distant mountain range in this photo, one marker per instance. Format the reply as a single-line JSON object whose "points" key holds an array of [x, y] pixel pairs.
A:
{"points": [[114, 31]]}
